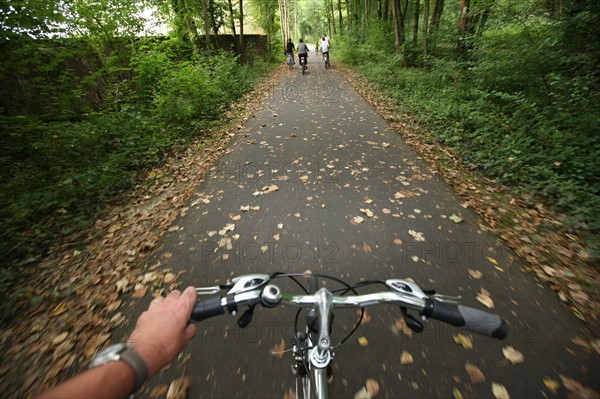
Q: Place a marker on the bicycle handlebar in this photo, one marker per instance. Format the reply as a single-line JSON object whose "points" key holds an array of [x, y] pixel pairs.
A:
{"points": [[253, 289]]}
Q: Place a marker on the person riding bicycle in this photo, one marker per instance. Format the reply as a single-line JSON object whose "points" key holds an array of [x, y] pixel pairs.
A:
{"points": [[290, 50], [325, 47], [160, 335], [303, 51]]}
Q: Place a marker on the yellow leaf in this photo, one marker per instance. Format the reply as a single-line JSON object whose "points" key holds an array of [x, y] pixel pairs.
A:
{"points": [[463, 340], [363, 341], [484, 297], [492, 260], [499, 391], [406, 358], [513, 355], [551, 384]]}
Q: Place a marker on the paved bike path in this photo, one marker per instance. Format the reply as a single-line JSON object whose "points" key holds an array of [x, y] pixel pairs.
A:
{"points": [[316, 180]]}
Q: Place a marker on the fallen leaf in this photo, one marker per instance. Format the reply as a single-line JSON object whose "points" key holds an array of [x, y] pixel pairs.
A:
{"points": [[386, 211], [59, 309], [456, 394], [577, 388], [362, 394], [401, 325], [276, 237], [169, 277], [363, 341], [367, 248], [476, 274], [456, 219], [406, 358], [513, 355], [484, 297], [178, 389], [398, 241], [552, 385], [474, 373], [499, 391], [368, 212], [158, 391], [404, 194], [366, 317], [122, 285], [416, 235], [139, 291], [372, 387], [463, 340], [228, 227], [357, 220], [492, 260], [60, 338], [278, 350]]}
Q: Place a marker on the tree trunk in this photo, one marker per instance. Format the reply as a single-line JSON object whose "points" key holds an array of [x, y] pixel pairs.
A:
{"points": [[232, 22], [332, 16], [206, 24], [425, 26], [340, 16], [213, 22], [465, 6], [436, 16], [281, 14], [386, 10], [242, 27], [396, 22], [416, 25]]}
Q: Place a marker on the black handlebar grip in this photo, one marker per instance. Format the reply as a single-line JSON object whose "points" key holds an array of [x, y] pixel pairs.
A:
{"points": [[470, 319], [207, 309]]}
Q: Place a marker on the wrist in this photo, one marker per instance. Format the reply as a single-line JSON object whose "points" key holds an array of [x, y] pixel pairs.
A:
{"points": [[123, 354], [150, 357]]}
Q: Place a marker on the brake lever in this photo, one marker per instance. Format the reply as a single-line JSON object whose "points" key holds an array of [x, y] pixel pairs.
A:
{"points": [[208, 290], [453, 300]]}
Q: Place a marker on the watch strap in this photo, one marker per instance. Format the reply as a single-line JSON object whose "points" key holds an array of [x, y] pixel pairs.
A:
{"points": [[138, 364]]}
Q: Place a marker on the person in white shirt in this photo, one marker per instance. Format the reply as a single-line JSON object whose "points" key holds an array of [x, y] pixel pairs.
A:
{"points": [[325, 46]]}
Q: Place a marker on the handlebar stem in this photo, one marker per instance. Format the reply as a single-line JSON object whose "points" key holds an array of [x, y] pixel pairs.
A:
{"points": [[324, 306]]}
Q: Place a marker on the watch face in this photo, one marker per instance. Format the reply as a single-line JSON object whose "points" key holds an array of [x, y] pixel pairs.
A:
{"points": [[110, 354]]}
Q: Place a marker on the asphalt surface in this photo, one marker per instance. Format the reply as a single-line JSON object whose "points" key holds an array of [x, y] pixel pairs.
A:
{"points": [[329, 154]]}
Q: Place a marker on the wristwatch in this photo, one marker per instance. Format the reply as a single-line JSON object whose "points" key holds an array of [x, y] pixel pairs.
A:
{"points": [[124, 353]]}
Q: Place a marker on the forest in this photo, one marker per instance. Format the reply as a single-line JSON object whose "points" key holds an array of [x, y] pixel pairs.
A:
{"points": [[95, 94]]}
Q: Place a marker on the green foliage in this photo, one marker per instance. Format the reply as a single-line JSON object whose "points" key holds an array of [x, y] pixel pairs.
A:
{"points": [[105, 119], [523, 108], [193, 93]]}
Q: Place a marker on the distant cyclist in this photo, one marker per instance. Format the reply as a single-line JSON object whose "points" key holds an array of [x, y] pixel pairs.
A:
{"points": [[290, 50], [303, 51], [325, 46]]}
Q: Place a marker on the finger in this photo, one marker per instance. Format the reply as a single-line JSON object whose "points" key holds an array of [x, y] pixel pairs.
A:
{"points": [[190, 295], [156, 301], [190, 332], [175, 294]]}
